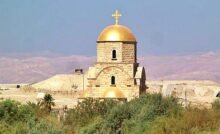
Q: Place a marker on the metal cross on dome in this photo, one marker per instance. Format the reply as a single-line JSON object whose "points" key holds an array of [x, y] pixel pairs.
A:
{"points": [[116, 15]]}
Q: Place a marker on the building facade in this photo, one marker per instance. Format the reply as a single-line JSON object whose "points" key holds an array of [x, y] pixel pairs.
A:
{"points": [[116, 73]]}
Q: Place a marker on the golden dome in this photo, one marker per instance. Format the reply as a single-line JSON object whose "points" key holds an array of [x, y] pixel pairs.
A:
{"points": [[116, 33], [85, 94], [113, 92]]}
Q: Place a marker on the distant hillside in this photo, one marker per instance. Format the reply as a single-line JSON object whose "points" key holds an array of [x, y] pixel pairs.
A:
{"points": [[204, 66], [22, 69], [32, 68]]}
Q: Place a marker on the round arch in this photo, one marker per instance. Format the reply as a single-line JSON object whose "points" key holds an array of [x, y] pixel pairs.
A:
{"points": [[113, 67]]}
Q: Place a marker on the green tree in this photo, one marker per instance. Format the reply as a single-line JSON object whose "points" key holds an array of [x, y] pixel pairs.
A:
{"points": [[47, 102]]}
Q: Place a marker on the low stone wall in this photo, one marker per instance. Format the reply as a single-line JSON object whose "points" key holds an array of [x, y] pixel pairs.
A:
{"points": [[190, 92]]}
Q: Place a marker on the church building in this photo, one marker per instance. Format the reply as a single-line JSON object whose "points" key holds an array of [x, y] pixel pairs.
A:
{"points": [[116, 73]]}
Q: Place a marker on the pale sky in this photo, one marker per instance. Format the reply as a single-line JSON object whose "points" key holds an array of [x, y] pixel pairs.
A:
{"points": [[162, 27]]}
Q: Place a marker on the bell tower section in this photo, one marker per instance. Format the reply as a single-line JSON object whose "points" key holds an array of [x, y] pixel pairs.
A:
{"points": [[116, 52]]}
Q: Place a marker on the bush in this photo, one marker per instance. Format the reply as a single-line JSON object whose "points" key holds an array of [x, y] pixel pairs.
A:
{"points": [[86, 112], [136, 115], [150, 114], [9, 111], [17, 118], [192, 120], [95, 116], [216, 105]]}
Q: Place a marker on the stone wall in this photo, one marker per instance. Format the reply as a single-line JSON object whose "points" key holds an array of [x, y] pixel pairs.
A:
{"points": [[129, 69], [121, 77], [129, 53], [104, 52], [123, 68], [188, 92], [126, 53]]}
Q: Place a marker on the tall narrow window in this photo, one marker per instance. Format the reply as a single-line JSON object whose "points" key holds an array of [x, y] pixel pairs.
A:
{"points": [[113, 80], [114, 57]]}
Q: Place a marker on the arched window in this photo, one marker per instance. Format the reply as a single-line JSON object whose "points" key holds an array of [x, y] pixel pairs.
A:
{"points": [[114, 54], [113, 80]]}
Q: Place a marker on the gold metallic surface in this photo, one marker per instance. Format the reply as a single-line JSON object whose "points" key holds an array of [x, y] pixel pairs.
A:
{"points": [[116, 33], [116, 15], [113, 92], [85, 94]]}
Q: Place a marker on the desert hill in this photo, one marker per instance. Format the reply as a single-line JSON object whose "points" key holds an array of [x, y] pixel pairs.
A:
{"points": [[33, 68], [67, 87], [62, 82], [193, 92]]}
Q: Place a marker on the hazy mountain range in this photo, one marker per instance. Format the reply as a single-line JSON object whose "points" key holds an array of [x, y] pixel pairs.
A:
{"points": [[29, 68]]}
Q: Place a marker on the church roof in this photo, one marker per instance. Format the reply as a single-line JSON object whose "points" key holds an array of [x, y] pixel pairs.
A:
{"points": [[116, 33]]}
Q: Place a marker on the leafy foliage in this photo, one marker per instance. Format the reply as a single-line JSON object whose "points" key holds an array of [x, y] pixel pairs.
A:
{"points": [[136, 115], [86, 112], [47, 102], [150, 114], [17, 118]]}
